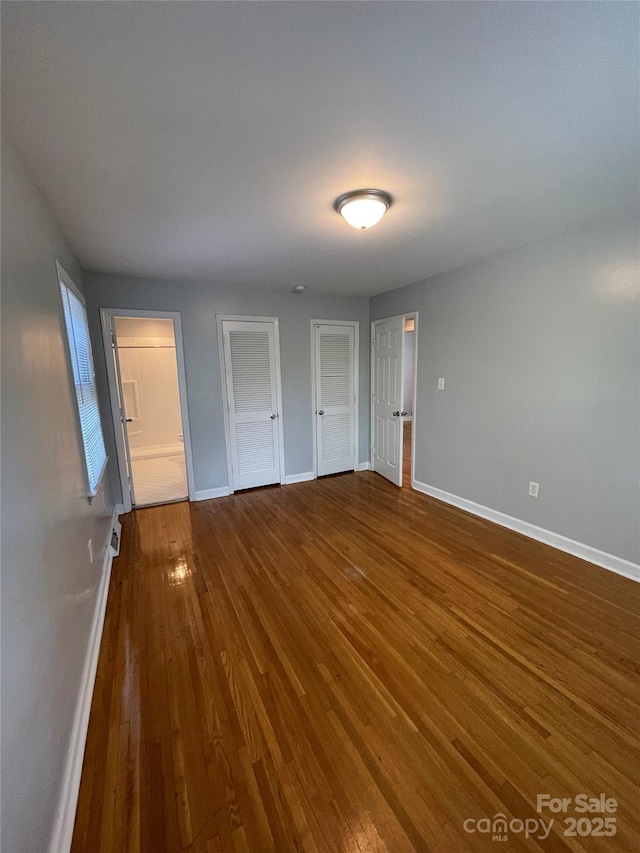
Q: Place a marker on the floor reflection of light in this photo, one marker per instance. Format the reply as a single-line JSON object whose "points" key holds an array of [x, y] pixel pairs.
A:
{"points": [[179, 573], [362, 836]]}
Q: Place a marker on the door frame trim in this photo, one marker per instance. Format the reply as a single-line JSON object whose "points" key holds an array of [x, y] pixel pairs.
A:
{"points": [[406, 316], [106, 314], [249, 318], [314, 430]]}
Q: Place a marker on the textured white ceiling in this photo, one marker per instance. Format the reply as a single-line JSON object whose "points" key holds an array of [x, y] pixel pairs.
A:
{"points": [[209, 140]]}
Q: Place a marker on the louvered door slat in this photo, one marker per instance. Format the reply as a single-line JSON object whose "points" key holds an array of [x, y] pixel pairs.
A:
{"points": [[251, 371], [256, 447], [335, 398], [252, 395]]}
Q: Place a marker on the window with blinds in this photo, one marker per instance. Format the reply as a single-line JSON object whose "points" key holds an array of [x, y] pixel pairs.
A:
{"points": [[75, 318]]}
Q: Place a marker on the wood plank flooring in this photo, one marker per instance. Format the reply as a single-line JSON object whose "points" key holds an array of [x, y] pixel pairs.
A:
{"points": [[341, 665]]}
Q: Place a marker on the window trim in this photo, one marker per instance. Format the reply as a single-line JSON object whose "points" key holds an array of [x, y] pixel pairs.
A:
{"points": [[63, 278]]}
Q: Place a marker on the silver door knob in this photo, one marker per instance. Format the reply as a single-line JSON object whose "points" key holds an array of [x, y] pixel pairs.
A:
{"points": [[320, 412], [396, 414], [273, 417]]}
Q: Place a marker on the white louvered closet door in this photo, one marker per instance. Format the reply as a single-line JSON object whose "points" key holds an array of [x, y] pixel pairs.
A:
{"points": [[335, 382], [253, 399]]}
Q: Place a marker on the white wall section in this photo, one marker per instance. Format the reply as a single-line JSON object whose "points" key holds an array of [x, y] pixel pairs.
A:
{"points": [[149, 371], [199, 303], [49, 586], [540, 350]]}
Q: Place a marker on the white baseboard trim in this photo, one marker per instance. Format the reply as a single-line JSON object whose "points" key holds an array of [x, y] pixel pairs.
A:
{"points": [[68, 802], [209, 494], [363, 466], [562, 543], [290, 479], [119, 509]]}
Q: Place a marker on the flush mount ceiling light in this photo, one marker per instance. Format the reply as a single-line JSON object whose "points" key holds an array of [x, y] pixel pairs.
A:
{"points": [[363, 208], [299, 288]]}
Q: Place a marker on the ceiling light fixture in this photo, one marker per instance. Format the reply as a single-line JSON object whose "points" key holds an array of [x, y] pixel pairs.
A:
{"points": [[299, 288], [363, 208]]}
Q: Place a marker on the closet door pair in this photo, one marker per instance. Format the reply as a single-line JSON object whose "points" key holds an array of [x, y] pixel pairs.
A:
{"points": [[251, 359]]}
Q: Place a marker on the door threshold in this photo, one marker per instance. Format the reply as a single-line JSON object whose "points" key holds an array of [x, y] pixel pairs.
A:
{"points": [[336, 474], [160, 503], [247, 490]]}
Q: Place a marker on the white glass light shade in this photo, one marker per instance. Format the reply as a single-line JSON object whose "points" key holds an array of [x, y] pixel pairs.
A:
{"points": [[363, 208], [363, 212]]}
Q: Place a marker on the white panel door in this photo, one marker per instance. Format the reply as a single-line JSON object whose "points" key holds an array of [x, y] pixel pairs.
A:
{"points": [[335, 412], [387, 399], [253, 400], [121, 403]]}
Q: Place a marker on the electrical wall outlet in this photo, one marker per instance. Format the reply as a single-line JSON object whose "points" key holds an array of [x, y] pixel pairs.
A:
{"points": [[441, 384], [533, 489], [90, 550]]}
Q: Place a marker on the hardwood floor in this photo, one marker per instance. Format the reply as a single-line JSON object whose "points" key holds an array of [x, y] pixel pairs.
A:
{"points": [[341, 665]]}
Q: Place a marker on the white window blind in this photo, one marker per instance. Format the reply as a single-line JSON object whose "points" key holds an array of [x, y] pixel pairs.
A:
{"points": [[75, 317]]}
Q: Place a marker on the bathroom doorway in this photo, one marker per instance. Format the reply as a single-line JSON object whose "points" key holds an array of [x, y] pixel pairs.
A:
{"points": [[408, 391], [147, 387]]}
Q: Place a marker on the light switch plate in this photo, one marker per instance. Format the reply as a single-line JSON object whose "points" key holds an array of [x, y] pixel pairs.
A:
{"points": [[441, 384]]}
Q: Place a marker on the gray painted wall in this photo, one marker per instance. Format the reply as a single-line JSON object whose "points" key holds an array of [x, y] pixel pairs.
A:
{"points": [[48, 585], [540, 350], [198, 304]]}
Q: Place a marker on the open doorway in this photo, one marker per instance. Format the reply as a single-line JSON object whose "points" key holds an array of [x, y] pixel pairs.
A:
{"points": [[393, 380], [408, 390], [148, 405]]}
